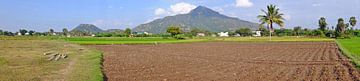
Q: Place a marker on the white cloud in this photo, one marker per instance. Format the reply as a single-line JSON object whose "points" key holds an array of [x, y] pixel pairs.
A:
{"points": [[160, 11], [181, 8], [243, 3], [178, 8]]}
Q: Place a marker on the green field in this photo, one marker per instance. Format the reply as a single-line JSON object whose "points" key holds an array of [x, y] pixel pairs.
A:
{"points": [[351, 48], [23, 60]]}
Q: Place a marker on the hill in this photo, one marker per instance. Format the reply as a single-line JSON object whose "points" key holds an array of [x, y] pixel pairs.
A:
{"points": [[87, 28], [201, 18]]}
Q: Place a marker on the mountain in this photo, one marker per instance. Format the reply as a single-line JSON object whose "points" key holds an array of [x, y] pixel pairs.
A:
{"points": [[201, 18], [87, 28]]}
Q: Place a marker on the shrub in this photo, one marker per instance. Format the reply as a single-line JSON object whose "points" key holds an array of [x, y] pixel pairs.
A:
{"points": [[180, 36]]}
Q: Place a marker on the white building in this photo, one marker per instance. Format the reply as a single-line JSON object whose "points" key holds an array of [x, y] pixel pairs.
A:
{"points": [[223, 34], [257, 33], [200, 34]]}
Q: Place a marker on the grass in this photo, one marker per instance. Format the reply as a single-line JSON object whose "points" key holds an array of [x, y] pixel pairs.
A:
{"points": [[351, 48], [23, 60]]}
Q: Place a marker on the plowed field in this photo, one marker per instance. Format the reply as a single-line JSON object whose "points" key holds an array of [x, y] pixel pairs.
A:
{"points": [[224, 61]]}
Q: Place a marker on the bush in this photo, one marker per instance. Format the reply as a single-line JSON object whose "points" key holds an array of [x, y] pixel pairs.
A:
{"points": [[180, 36], [244, 31]]}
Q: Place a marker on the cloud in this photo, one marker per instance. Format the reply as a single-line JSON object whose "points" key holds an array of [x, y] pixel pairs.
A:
{"points": [[181, 8], [243, 3], [178, 8], [160, 11]]}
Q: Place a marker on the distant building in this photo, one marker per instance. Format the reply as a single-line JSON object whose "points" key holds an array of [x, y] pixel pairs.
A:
{"points": [[256, 33], [18, 33], [146, 33], [200, 34], [223, 34], [27, 33], [237, 35]]}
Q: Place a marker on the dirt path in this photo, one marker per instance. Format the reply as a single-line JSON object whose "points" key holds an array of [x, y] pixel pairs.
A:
{"points": [[227, 61]]}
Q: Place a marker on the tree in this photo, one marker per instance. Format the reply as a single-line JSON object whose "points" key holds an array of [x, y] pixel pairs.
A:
{"points": [[352, 22], [7, 33], [297, 31], [1, 32], [174, 30], [23, 31], [272, 15], [127, 31], [264, 31], [51, 31], [65, 32], [195, 31], [31, 32], [340, 28], [244, 31], [322, 24]]}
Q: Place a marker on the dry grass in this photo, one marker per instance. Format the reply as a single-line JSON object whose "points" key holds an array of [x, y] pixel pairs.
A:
{"points": [[23, 60]]}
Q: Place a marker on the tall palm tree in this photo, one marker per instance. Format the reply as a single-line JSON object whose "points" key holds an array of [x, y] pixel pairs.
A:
{"points": [[322, 23], [272, 15], [352, 22]]}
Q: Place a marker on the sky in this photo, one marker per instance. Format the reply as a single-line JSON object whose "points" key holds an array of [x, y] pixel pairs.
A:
{"points": [[41, 15]]}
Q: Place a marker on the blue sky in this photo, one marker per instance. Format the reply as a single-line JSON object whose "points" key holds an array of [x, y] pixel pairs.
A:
{"points": [[41, 15]]}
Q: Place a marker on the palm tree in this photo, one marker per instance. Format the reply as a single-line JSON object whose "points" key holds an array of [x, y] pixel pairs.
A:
{"points": [[272, 15], [322, 24], [352, 22], [65, 32], [340, 27]]}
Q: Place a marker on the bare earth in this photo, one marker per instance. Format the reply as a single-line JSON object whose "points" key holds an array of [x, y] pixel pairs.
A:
{"points": [[224, 61]]}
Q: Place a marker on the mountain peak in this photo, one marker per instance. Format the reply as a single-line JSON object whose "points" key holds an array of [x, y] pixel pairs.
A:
{"points": [[87, 28], [202, 10]]}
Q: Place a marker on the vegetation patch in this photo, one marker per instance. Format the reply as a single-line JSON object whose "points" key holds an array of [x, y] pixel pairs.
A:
{"points": [[351, 48], [24, 60]]}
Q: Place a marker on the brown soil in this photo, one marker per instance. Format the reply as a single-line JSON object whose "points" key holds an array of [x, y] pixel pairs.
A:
{"points": [[224, 61]]}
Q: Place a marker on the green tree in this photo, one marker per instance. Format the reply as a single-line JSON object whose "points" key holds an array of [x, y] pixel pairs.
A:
{"points": [[7, 33], [244, 31], [1, 32], [65, 32], [264, 31], [352, 22], [23, 31], [127, 31], [194, 31], [322, 24], [31, 32], [272, 15], [174, 30], [340, 28], [297, 31], [51, 31]]}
